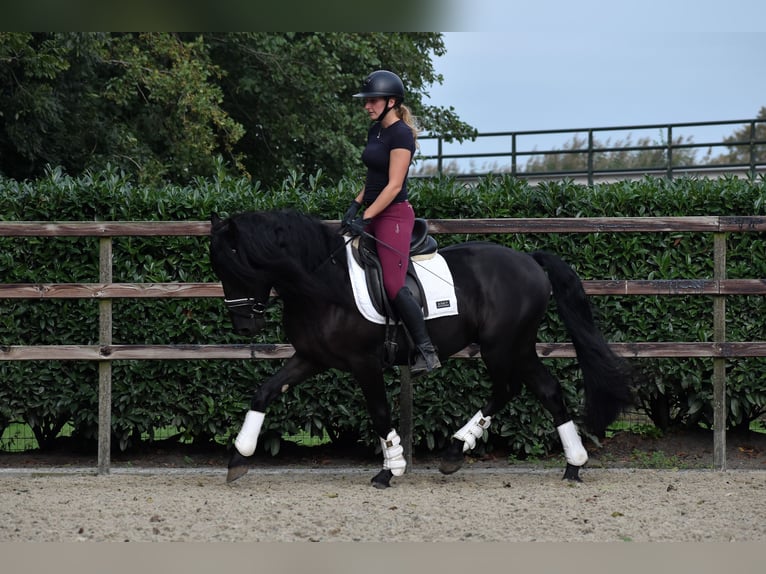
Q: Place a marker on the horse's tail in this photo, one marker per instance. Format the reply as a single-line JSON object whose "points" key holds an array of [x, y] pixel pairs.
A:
{"points": [[607, 377]]}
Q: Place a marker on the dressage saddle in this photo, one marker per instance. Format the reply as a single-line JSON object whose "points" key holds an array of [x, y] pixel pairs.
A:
{"points": [[365, 254]]}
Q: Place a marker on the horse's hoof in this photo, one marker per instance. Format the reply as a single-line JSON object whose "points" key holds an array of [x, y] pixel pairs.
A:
{"points": [[238, 467], [235, 473], [452, 458], [572, 473], [382, 479], [450, 465]]}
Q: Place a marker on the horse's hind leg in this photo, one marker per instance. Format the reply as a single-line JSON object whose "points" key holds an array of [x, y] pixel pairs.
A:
{"points": [[504, 386], [463, 441], [548, 390], [507, 376]]}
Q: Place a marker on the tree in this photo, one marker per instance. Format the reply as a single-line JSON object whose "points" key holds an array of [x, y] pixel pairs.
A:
{"points": [[165, 106], [30, 108], [146, 103], [169, 105], [622, 154], [741, 150], [293, 94]]}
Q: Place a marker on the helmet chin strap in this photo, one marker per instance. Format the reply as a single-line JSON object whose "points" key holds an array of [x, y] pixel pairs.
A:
{"points": [[383, 113], [388, 109]]}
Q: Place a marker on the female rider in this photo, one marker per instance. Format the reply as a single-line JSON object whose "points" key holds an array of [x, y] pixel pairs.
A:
{"points": [[391, 144]]}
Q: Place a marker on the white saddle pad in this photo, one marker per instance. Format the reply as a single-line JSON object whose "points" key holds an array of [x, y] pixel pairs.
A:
{"points": [[434, 275]]}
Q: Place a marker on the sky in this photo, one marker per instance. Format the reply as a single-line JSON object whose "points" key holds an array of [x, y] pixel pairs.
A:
{"points": [[563, 64]]}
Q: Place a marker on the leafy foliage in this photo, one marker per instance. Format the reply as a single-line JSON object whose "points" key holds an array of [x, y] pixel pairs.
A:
{"points": [[171, 107], [619, 155], [148, 103], [742, 145]]}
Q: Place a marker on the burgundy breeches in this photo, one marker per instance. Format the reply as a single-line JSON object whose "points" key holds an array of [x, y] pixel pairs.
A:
{"points": [[393, 230]]}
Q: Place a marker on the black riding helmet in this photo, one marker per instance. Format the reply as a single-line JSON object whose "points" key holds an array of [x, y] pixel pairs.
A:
{"points": [[382, 84]]}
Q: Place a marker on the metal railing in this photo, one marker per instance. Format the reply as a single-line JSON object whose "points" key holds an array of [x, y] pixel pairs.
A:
{"points": [[596, 160]]}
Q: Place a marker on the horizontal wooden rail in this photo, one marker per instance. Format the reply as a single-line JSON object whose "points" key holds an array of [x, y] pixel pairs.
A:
{"points": [[144, 352], [109, 290], [437, 226], [202, 290], [284, 351], [599, 224], [676, 287], [103, 228]]}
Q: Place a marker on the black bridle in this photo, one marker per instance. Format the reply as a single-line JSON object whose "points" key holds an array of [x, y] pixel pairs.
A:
{"points": [[247, 307], [250, 307]]}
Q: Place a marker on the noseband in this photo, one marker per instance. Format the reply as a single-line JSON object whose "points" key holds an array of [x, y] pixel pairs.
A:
{"points": [[247, 307]]}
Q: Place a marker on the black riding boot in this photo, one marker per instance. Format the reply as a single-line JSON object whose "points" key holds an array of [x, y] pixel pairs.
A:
{"points": [[412, 316]]}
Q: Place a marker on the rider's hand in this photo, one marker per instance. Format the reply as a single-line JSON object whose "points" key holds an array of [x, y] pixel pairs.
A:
{"points": [[350, 215], [356, 227]]}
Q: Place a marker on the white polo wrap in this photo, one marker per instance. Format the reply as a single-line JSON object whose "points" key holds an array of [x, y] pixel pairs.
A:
{"points": [[393, 454], [472, 430], [573, 449], [247, 439]]}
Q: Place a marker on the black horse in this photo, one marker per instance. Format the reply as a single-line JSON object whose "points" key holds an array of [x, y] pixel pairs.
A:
{"points": [[502, 297]]}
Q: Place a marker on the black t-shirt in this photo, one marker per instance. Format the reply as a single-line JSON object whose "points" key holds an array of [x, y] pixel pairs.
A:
{"points": [[377, 157]]}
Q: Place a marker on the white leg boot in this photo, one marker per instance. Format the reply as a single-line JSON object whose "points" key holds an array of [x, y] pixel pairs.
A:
{"points": [[393, 454], [247, 439], [574, 451], [473, 430]]}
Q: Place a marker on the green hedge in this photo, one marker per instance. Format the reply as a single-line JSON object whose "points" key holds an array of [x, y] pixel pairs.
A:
{"points": [[206, 400]]}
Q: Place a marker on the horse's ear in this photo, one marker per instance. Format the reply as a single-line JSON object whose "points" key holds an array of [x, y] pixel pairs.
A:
{"points": [[216, 223]]}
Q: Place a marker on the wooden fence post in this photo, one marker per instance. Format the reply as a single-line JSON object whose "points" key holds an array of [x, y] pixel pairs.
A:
{"points": [[104, 367], [405, 412], [719, 363]]}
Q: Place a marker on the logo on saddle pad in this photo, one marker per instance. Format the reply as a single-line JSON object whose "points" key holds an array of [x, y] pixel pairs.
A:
{"points": [[428, 277]]}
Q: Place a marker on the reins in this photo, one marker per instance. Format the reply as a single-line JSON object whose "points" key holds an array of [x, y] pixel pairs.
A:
{"points": [[249, 307], [407, 256]]}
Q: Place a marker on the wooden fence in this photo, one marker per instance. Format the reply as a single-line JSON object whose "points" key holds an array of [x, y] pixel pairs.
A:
{"points": [[718, 288]]}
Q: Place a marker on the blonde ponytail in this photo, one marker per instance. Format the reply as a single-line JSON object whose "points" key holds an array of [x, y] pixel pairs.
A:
{"points": [[406, 116]]}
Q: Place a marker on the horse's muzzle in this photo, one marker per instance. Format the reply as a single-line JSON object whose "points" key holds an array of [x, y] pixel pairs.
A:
{"points": [[248, 326]]}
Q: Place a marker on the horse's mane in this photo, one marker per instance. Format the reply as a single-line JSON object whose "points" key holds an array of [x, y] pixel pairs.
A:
{"points": [[306, 254]]}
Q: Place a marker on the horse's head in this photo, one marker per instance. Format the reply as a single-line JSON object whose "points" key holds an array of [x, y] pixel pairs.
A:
{"points": [[246, 291]]}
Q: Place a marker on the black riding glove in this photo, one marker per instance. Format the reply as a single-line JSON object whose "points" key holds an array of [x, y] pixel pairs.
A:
{"points": [[356, 227], [351, 212]]}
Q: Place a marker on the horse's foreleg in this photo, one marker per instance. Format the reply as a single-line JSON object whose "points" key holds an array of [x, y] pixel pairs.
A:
{"points": [[247, 439], [238, 466], [244, 445], [294, 371], [370, 379], [394, 463]]}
